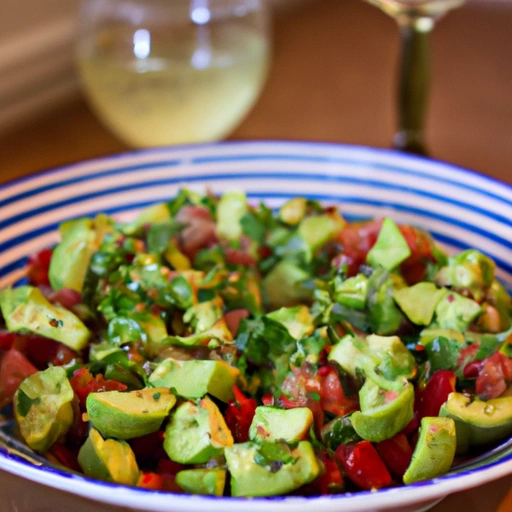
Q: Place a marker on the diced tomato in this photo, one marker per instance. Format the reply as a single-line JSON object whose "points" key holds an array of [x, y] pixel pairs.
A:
{"points": [[491, 382], [233, 319], [239, 257], [419, 242], [396, 454], [467, 354], [473, 369], [152, 481], [83, 383], [7, 339], [332, 397], [66, 297], [239, 415], [14, 369], [65, 456], [149, 449], [434, 395], [200, 230], [268, 399], [37, 267], [329, 482], [363, 465], [357, 239], [42, 351]]}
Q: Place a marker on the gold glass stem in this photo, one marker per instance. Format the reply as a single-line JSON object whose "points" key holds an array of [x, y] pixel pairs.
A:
{"points": [[414, 84]]}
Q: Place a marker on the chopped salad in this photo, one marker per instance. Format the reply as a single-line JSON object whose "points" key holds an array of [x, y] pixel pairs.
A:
{"points": [[216, 347]]}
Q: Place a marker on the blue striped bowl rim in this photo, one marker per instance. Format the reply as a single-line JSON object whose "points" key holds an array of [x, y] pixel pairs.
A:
{"points": [[460, 208]]}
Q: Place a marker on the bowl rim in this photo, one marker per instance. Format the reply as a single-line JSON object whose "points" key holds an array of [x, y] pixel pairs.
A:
{"points": [[130, 497]]}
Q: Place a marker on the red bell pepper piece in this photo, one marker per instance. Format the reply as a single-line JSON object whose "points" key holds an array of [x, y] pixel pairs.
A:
{"points": [[239, 415], [363, 465], [435, 393], [396, 454]]}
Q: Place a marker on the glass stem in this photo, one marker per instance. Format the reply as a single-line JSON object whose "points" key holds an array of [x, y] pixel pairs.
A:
{"points": [[414, 84]]}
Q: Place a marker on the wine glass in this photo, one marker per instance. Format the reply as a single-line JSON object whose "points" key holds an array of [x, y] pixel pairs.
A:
{"points": [[160, 72], [416, 19]]}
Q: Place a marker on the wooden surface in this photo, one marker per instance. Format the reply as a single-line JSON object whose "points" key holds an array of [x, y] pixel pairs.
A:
{"points": [[333, 79]]}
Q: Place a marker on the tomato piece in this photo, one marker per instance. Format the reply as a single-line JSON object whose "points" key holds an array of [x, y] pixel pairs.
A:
{"points": [[332, 397], [239, 257], [66, 297], [491, 382], [363, 465], [14, 369], [41, 351], [65, 456], [233, 319], [149, 449], [200, 230], [268, 399], [396, 454], [435, 393], [239, 415], [37, 267], [7, 339], [473, 369], [330, 481], [418, 241], [83, 383], [152, 481]]}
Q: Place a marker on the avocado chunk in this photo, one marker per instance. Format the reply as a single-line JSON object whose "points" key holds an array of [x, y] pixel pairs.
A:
{"points": [[470, 270], [126, 415], [478, 423], [282, 285], [194, 378], [42, 406], [317, 230], [253, 474], [231, 208], [419, 302], [455, 311], [351, 292], [108, 459], [339, 431], [293, 211], [434, 452], [383, 413], [71, 257], [26, 309], [272, 423], [202, 481], [196, 433], [390, 249], [297, 320]]}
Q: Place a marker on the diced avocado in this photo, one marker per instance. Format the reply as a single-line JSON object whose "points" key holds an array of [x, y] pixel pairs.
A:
{"points": [[26, 308], [42, 406], [419, 302], [455, 311], [272, 423], [71, 257], [317, 230], [382, 358], [434, 452], [390, 249], [470, 270], [339, 431], [352, 291], [108, 459], [383, 413], [217, 335], [430, 334], [204, 315], [126, 415], [384, 315], [282, 285], [250, 476], [151, 215], [477, 422], [195, 378], [297, 320], [231, 208], [293, 211], [196, 433], [202, 481]]}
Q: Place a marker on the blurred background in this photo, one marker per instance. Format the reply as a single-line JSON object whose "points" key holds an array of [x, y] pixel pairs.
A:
{"points": [[332, 78]]}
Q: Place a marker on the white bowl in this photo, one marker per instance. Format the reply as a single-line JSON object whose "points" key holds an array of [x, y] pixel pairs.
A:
{"points": [[461, 208]]}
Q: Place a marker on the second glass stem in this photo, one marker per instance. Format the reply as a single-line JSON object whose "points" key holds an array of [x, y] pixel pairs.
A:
{"points": [[414, 84]]}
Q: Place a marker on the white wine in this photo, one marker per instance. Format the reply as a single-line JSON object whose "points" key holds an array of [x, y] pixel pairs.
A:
{"points": [[155, 89]]}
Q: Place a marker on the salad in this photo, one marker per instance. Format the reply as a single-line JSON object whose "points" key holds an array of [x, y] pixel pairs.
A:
{"points": [[216, 347]]}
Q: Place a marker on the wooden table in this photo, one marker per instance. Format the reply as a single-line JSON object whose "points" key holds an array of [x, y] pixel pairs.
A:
{"points": [[333, 79]]}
